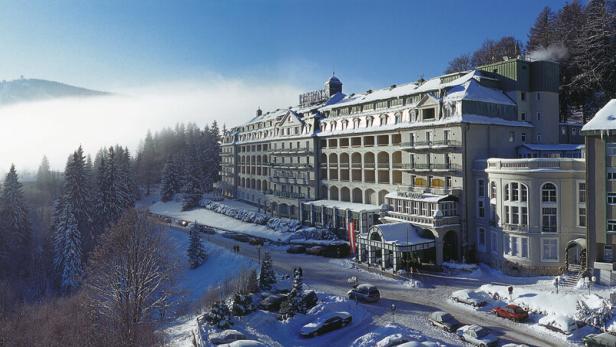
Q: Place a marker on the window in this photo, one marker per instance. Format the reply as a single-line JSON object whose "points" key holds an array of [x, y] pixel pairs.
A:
{"points": [[538, 96], [481, 189], [524, 192], [482, 237], [514, 192], [611, 226], [506, 244], [493, 242], [524, 247], [523, 96], [523, 136], [549, 249], [539, 137], [611, 149], [582, 216], [538, 115], [481, 210], [548, 219], [511, 136], [514, 246], [548, 193], [611, 175], [506, 214], [581, 192], [524, 218], [611, 198], [506, 192], [523, 116], [428, 113]]}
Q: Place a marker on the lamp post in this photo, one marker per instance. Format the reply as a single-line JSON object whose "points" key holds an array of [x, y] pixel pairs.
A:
{"points": [[589, 281], [393, 313], [557, 283]]}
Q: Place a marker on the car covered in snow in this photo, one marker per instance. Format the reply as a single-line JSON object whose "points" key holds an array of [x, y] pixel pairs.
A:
{"points": [[470, 297], [272, 302], [296, 249], [183, 223], [419, 344], [476, 335], [600, 340], [225, 336], [444, 321], [326, 323], [560, 323], [365, 293], [244, 343], [512, 312]]}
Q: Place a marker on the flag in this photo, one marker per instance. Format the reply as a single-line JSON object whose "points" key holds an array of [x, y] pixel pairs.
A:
{"points": [[352, 237]]}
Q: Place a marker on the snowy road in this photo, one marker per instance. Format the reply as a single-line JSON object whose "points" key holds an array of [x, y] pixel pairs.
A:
{"points": [[413, 305]]}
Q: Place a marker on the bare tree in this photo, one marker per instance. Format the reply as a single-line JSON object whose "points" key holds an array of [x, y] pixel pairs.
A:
{"points": [[463, 62], [128, 276]]}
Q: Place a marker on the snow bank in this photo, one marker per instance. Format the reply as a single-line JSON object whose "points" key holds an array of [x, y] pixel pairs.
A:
{"points": [[392, 335], [460, 266]]}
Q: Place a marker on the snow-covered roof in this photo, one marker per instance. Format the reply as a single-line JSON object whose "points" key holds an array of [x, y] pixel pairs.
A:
{"points": [[344, 205], [425, 197], [604, 119], [474, 91], [553, 147], [296, 109], [402, 234], [465, 118]]}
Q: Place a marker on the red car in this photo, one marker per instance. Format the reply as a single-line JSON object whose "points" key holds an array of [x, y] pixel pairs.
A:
{"points": [[513, 312]]}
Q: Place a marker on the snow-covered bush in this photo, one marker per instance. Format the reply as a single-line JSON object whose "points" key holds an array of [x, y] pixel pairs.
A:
{"points": [[218, 316], [196, 252], [313, 233], [593, 310], [241, 305]]}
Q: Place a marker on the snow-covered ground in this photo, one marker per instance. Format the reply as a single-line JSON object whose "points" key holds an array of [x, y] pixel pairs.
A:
{"points": [[538, 295], [220, 265]]}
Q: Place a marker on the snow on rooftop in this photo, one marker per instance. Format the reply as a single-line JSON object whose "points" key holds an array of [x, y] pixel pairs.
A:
{"points": [[403, 234], [474, 91], [426, 197], [604, 119], [343, 205], [553, 147]]}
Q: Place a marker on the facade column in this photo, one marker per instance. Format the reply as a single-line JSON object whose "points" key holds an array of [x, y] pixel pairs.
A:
{"points": [[383, 255], [322, 215], [334, 216], [395, 260], [439, 250], [360, 250], [311, 211], [370, 252]]}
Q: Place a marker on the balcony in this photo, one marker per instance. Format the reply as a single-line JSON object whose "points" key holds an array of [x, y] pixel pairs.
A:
{"points": [[288, 195], [291, 151], [420, 167], [425, 220], [435, 144], [515, 228], [296, 166], [434, 190], [226, 154], [292, 180]]}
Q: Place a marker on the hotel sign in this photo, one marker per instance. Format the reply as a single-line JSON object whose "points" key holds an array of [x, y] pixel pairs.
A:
{"points": [[312, 98]]}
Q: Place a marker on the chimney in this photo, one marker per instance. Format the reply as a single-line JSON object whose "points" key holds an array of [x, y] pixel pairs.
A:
{"points": [[259, 112]]}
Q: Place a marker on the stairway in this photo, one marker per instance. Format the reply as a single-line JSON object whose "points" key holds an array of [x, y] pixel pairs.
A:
{"points": [[572, 276]]}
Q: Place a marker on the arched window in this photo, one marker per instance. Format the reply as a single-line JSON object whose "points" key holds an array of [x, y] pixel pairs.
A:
{"points": [[506, 192], [492, 190], [548, 193]]}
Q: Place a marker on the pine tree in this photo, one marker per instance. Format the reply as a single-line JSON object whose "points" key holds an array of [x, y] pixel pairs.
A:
{"points": [[170, 181], [67, 248], [15, 226], [267, 277], [295, 302], [196, 252], [542, 32]]}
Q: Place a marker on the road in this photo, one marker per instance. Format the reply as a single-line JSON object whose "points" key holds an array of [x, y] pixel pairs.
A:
{"points": [[413, 305]]}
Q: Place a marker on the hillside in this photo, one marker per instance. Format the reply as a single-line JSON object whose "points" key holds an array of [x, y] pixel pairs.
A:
{"points": [[25, 90]]}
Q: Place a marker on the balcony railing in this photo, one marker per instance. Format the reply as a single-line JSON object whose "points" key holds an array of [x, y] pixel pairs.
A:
{"points": [[292, 166], [291, 151], [515, 227], [426, 220], [430, 144], [431, 166], [289, 195]]}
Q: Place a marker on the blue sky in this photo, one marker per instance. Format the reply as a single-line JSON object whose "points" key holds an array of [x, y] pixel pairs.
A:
{"points": [[116, 44]]}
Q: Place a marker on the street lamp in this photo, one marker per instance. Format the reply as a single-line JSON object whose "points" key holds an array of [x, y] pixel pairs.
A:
{"points": [[393, 313], [557, 281], [589, 281]]}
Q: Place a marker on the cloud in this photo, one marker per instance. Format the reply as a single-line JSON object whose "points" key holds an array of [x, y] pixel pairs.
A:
{"points": [[56, 127]]}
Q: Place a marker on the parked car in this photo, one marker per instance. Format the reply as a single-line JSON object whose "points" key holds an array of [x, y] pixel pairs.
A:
{"points": [[512, 312], [364, 292], [600, 340], [560, 323], [244, 343], [206, 229], [326, 323], [469, 297], [295, 249], [393, 340], [183, 223], [315, 250], [255, 241], [226, 336], [476, 335], [272, 302], [444, 321], [236, 236]]}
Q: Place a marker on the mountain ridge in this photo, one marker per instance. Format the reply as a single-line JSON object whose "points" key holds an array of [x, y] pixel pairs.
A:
{"points": [[33, 89]]}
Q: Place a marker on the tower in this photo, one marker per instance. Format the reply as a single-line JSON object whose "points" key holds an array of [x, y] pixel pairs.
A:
{"points": [[333, 86]]}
